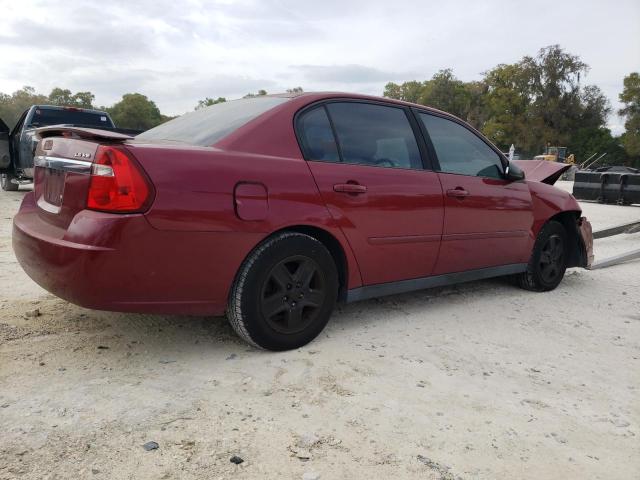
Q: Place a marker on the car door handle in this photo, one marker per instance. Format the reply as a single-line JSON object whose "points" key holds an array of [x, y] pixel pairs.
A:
{"points": [[457, 192], [353, 188]]}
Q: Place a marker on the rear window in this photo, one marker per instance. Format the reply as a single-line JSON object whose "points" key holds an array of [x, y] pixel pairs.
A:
{"points": [[206, 126], [43, 117]]}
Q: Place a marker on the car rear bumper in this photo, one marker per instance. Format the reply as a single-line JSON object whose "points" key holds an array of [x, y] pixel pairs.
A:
{"points": [[121, 263]]}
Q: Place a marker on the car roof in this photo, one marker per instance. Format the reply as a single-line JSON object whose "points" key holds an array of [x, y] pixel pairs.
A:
{"points": [[311, 97]]}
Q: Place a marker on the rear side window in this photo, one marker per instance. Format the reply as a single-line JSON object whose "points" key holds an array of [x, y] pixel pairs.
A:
{"points": [[459, 150], [317, 137], [43, 117], [375, 135], [206, 126]]}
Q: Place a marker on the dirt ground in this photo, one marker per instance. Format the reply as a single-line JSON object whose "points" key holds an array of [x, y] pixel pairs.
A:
{"points": [[477, 381]]}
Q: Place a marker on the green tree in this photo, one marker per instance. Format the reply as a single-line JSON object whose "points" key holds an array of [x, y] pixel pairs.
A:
{"points": [[540, 100], [259, 94], [64, 97], [407, 91], [207, 102], [537, 101], [295, 90], [136, 111], [588, 141], [557, 100], [630, 97], [506, 104], [445, 92], [12, 106]]}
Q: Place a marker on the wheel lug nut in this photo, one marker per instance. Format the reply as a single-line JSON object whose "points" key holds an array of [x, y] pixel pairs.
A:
{"points": [[288, 286], [293, 304], [301, 295], [285, 299]]}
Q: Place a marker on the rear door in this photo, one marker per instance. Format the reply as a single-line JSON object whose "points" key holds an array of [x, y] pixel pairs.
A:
{"points": [[5, 150], [367, 163], [487, 219]]}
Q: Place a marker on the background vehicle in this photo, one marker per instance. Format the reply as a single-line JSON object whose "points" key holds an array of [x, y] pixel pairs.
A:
{"points": [[279, 206], [556, 154], [5, 151], [20, 143]]}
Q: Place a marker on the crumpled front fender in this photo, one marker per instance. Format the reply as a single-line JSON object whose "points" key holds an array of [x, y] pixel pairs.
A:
{"points": [[586, 234]]}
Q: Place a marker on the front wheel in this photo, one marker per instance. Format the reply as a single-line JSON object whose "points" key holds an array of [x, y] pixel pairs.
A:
{"points": [[6, 183], [284, 292], [548, 260]]}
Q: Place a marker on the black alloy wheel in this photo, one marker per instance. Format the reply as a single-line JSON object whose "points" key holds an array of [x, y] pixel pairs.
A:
{"points": [[284, 292], [293, 294], [552, 258], [548, 261]]}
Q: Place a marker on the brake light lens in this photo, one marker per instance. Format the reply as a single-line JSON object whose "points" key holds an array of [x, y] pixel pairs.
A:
{"points": [[118, 184]]}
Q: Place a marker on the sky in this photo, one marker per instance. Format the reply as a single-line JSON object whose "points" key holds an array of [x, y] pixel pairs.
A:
{"points": [[181, 51]]}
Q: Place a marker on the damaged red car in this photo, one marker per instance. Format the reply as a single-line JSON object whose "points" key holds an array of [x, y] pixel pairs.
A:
{"points": [[274, 208]]}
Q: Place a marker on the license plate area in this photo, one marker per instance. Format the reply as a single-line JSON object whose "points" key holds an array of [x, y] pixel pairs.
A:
{"points": [[53, 191]]}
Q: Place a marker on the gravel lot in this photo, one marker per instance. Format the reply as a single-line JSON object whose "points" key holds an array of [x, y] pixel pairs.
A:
{"points": [[478, 381]]}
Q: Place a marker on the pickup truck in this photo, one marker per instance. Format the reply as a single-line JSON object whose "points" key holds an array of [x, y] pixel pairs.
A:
{"points": [[17, 145]]}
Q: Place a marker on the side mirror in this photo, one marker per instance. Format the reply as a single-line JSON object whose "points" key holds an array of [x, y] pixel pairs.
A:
{"points": [[513, 172]]}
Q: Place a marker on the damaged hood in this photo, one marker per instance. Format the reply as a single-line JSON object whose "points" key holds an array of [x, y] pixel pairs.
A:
{"points": [[542, 170]]}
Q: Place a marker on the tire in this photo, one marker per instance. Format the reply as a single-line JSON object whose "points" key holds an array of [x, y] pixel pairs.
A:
{"points": [[284, 292], [548, 261], [7, 184]]}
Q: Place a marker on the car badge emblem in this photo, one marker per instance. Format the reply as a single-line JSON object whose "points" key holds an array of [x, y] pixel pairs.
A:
{"points": [[82, 155]]}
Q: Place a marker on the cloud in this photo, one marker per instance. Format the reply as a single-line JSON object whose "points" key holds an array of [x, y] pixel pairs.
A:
{"points": [[84, 39], [350, 73], [177, 52]]}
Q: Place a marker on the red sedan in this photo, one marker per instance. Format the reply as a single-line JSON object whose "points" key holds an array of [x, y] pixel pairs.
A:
{"points": [[274, 208]]}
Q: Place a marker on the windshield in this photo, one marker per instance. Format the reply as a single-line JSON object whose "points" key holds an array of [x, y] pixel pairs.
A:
{"points": [[49, 116], [206, 126]]}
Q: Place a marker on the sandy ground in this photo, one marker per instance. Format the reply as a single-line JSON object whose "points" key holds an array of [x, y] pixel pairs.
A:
{"points": [[479, 381]]}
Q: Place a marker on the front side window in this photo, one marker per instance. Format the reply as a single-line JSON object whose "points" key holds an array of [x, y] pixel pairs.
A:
{"points": [[374, 135], [459, 150]]}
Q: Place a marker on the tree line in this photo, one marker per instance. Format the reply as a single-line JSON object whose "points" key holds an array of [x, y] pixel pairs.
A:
{"points": [[134, 110], [537, 101]]}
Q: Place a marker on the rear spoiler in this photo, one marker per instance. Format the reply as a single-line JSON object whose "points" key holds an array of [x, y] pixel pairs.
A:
{"points": [[81, 132]]}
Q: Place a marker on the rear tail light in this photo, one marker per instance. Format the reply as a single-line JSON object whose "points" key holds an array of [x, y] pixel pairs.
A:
{"points": [[118, 183]]}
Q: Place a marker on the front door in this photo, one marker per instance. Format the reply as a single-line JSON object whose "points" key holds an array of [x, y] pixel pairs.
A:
{"points": [[5, 155], [487, 220], [371, 177]]}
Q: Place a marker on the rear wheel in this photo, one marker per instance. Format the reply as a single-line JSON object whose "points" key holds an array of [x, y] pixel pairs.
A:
{"points": [[6, 183], [284, 293], [548, 261]]}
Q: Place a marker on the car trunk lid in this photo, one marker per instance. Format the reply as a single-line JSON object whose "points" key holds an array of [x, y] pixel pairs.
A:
{"points": [[63, 164]]}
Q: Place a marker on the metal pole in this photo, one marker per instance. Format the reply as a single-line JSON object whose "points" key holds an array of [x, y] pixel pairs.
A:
{"points": [[623, 257], [592, 163], [585, 162], [632, 227]]}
